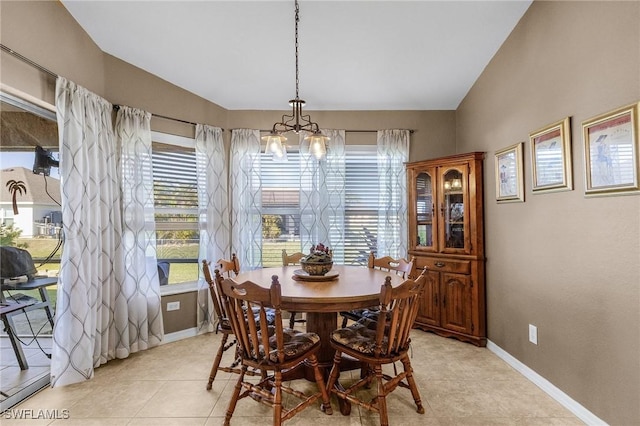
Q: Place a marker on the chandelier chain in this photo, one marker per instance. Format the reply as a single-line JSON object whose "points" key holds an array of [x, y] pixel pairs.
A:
{"points": [[297, 121], [297, 72]]}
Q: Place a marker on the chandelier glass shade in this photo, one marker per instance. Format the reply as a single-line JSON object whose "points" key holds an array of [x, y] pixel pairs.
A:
{"points": [[296, 122], [276, 146]]}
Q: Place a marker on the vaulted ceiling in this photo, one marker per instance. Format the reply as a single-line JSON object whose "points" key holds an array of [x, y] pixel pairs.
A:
{"points": [[354, 55]]}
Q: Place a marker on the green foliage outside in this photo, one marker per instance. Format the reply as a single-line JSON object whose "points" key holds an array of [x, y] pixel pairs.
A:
{"points": [[177, 235], [9, 235], [271, 226], [40, 248]]}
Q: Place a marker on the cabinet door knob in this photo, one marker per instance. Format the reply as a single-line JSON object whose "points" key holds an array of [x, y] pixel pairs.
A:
{"points": [[439, 264]]}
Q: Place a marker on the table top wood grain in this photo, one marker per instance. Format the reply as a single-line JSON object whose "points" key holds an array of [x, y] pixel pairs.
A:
{"points": [[355, 287]]}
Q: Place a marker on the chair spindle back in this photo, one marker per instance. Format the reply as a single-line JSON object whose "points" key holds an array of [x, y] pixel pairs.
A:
{"points": [[253, 333], [291, 259], [213, 291], [401, 266], [398, 312]]}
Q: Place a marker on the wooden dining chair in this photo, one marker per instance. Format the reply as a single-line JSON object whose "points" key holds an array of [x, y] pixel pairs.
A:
{"points": [[292, 259], [376, 343], [272, 349], [228, 268], [400, 266]]}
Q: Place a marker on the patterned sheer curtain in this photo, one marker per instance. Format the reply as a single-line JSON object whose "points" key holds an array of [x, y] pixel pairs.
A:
{"points": [[141, 287], [322, 193], [91, 324], [213, 207], [245, 194], [393, 152]]}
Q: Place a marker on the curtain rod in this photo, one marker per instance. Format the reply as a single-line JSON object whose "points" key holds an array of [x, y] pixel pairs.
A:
{"points": [[346, 131], [28, 61], [117, 107], [54, 75]]}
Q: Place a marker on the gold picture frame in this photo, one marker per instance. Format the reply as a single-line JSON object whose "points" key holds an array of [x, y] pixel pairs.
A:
{"points": [[551, 158], [509, 177], [611, 152]]}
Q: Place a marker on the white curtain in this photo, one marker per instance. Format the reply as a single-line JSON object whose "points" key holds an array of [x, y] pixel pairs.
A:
{"points": [[246, 192], [91, 314], [322, 196], [213, 212], [141, 287], [393, 152]]}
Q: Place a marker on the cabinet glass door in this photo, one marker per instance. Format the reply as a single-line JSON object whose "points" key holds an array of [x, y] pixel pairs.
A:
{"points": [[454, 210], [424, 211]]}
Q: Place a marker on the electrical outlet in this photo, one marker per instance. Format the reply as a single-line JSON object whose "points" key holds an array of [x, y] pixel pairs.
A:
{"points": [[533, 334], [173, 306]]}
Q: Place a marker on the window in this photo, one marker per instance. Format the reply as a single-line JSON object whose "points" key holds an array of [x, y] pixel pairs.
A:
{"points": [[361, 204], [175, 192], [37, 226], [281, 206], [176, 204]]}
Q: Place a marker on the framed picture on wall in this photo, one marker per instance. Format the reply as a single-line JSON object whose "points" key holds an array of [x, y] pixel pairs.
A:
{"points": [[611, 152], [509, 178], [551, 158]]}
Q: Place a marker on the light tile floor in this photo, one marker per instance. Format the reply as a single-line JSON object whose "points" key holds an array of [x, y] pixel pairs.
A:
{"points": [[460, 384]]}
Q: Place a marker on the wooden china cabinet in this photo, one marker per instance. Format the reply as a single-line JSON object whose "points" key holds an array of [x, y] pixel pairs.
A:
{"points": [[446, 235]]}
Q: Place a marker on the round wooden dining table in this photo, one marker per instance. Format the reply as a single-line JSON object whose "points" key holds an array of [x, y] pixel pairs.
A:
{"points": [[353, 287]]}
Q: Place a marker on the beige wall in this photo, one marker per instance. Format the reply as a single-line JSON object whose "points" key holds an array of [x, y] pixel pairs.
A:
{"points": [[129, 85], [44, 32], [183, 318], [567, 264]]}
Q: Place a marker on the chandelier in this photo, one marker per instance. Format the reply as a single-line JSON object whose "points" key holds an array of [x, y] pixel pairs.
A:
{"points": [[296, 122]]}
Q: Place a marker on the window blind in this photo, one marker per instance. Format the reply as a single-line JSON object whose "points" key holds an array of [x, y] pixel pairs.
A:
{"points": [[175, 187]]}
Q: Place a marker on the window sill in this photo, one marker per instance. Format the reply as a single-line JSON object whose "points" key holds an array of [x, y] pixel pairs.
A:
{"points": [[185, 287]]}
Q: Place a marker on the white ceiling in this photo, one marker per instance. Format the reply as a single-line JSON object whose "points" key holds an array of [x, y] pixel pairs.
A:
{"points": [[354, 55]]}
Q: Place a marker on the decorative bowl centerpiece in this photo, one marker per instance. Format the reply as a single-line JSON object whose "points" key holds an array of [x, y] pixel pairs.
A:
{"points": [[319, 262]]}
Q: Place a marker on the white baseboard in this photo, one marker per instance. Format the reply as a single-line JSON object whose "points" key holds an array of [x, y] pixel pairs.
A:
{"points": [[179, 335], [565, 400]]}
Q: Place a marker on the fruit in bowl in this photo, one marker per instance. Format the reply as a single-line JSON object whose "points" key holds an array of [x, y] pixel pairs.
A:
{"points": [[319, 262]]}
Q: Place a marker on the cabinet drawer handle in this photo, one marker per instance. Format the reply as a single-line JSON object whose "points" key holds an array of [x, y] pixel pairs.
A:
{"points": [[439, 264]]}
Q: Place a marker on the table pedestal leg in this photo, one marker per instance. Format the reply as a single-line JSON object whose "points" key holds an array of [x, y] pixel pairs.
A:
{"points": [[323, 324]]}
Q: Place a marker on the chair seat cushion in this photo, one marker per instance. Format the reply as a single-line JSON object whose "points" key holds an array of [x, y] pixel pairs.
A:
{"points": [[225, 325], [271, 315], [295, 343], [371, 313], [360, 337]]}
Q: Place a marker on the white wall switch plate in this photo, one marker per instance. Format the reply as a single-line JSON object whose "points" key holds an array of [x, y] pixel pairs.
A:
{"points": [[533, 334]]}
